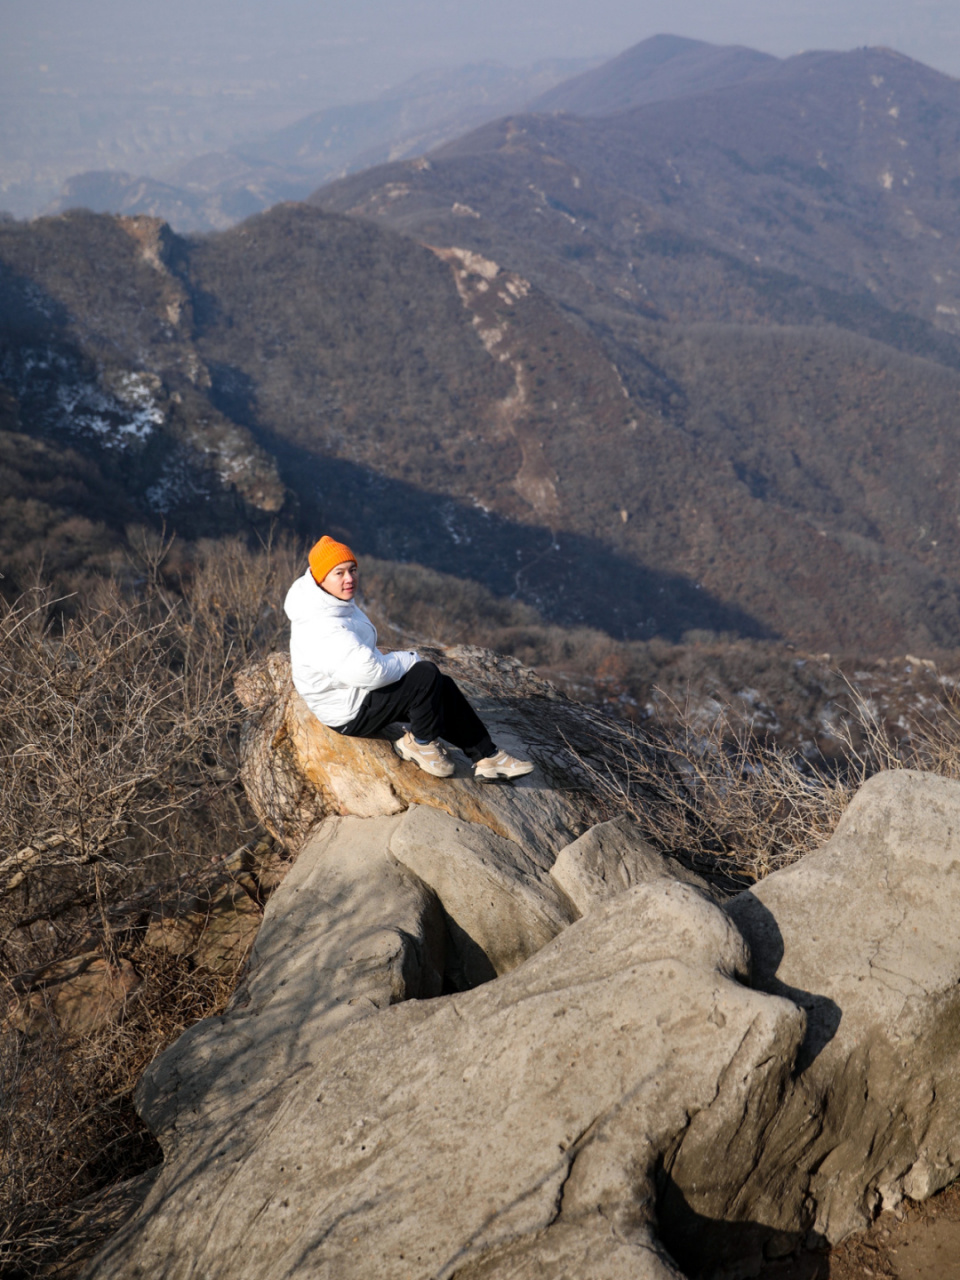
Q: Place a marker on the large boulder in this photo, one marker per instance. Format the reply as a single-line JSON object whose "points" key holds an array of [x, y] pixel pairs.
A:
{"points": [[612, 857], [517, 1130], [350, 931], [862, 934], [382, 910], [484, 1034], [296, 771], [502, 905]]}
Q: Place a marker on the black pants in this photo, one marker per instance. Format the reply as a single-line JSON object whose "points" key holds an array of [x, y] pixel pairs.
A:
{"points": [[431, 704]]}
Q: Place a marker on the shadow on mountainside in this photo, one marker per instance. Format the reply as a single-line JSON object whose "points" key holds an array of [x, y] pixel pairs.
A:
{"points": [[571, 579]]}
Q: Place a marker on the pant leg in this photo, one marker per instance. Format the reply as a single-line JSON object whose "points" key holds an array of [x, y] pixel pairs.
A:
{"points": [[460, 724], [433, 706], [413, 699]]}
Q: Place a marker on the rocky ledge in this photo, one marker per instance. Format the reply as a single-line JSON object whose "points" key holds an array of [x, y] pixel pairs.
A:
{"points": [[485, 1033]]}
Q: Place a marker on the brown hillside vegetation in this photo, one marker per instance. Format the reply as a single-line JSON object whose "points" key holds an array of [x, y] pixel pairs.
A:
{"points": [[123, 831], [565, 448], [768, 201], [95, 352], [435, 408], [650, 406]]}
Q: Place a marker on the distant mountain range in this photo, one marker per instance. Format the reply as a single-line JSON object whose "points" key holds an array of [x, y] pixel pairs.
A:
{"points": [[831, 172], [656, 70], [689, 367], [216, 190]]}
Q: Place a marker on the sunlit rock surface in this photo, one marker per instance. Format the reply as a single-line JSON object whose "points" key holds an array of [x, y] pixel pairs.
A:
{"points": [[297, 771]]}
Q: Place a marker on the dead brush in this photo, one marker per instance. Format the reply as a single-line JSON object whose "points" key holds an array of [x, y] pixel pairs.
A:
{"points": [[738, 808], [717, 799], [118, 770], [68, 1121], [930, 743]]}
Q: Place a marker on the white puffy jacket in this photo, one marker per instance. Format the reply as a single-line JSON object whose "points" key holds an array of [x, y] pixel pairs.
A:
{"points": [[333, 653]]}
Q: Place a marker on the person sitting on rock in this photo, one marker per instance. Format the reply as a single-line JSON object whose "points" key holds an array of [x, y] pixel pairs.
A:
{"points": [[355, 689]]}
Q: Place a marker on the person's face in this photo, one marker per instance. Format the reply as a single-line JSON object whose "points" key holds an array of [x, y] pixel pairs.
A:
{"points": [[342, 580]]}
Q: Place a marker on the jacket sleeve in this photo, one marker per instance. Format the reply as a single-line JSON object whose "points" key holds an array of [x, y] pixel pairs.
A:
{"points": [[360, 667]]}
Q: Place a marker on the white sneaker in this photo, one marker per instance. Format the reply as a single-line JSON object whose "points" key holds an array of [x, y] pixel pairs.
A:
{"points": [[502, 766], [430, 756]]}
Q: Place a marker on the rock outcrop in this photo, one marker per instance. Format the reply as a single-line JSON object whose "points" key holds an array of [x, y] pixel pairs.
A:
{"points": [[612, 857], [296, 771], [349, 931], [516, 1129], [483, 1034], [862, 934], [502, 905]]}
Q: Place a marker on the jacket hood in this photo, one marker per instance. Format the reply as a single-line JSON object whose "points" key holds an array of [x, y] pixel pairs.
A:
{"points": [[305, 601]]}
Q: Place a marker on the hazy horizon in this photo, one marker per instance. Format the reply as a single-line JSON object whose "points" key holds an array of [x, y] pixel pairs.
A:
{"points": [[103, 84]]}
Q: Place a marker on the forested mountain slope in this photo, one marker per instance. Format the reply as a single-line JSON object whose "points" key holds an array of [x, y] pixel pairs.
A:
{"points": [[645, 478], [820, 190], [716, 247]]}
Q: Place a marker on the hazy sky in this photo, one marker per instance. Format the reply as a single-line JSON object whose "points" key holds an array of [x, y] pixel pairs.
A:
{"points": [[351, 48], [143, 85]]}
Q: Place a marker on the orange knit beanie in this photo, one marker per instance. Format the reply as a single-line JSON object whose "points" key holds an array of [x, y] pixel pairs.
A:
{"points": [[326, 555]]}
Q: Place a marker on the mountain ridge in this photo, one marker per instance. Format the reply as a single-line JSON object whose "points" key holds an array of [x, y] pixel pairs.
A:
{"points": [[215, 190], [637, 75], [436, 408], [597, 188]]}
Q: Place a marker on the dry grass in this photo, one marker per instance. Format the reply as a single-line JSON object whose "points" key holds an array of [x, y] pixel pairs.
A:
{"points": [[68, 1124], [118, 770], [740, 809]]}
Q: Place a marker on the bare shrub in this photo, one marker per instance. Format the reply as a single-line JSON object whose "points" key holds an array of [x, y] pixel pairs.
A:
{"points": [[717, 799], [67, 1124], [738, 807], [118, 771], [117, 740], [931, 742]]}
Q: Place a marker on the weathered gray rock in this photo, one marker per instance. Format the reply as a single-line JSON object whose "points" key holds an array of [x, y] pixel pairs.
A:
{"points": [[296, 771], [514, 1130], [349, 931], [615, 1087], [612, 857], [863, 934], [502, 905]]}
